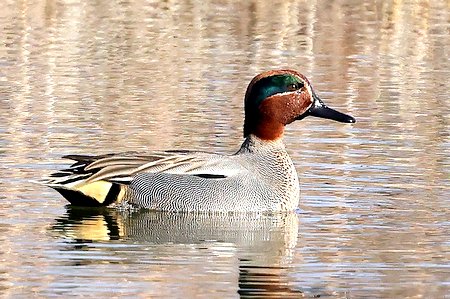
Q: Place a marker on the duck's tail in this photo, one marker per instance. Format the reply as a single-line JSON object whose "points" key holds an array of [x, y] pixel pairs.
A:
{"points": [[74, 185]]}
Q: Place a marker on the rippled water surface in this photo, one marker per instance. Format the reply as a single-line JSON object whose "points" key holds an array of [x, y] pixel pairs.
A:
{"points": [[95, 77]]}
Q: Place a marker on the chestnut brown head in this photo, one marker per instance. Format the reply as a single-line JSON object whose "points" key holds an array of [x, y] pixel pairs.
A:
{"points": [[277, 98]]}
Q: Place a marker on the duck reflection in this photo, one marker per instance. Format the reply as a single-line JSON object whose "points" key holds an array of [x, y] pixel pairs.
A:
{"points": [[263, 243]]}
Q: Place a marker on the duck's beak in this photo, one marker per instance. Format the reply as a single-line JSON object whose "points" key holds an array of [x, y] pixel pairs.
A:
{"points": [[319, 109]]}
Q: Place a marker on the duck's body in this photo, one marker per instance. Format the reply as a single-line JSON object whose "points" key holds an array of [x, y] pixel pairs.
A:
{"points": [[260, 176]]}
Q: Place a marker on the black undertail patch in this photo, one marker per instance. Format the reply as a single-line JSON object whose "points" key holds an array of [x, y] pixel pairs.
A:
{"points": [[77, 198], [112, 194]]}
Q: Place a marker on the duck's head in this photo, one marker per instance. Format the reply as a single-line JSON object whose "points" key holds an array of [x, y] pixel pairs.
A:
{"points": [[277, 98]]}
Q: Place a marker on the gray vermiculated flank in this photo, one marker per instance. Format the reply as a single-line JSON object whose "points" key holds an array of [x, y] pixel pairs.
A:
{"points": [[259, 177]]}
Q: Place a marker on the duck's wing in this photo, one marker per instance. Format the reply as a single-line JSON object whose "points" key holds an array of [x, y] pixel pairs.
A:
{"points": [[103, 178]]}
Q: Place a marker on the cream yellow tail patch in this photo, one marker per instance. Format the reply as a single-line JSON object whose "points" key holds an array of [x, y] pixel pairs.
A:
{"points": [[97, 190]]}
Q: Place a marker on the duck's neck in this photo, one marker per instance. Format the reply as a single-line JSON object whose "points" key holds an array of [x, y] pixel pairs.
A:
{"points": [[263, 126], [269, 131], [253, 143]]}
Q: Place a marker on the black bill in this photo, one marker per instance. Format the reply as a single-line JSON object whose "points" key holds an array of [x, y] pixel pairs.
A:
{"points": [[319, 109]]}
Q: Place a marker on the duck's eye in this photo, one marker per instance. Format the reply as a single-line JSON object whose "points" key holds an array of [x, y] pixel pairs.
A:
{"points": [[294, 86]]}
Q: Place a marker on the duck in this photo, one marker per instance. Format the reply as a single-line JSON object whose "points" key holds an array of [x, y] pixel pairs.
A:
{"points": [[259, 177]]}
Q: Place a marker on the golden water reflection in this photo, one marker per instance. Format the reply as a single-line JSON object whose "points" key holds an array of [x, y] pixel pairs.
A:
{"points": [[255, 249]]}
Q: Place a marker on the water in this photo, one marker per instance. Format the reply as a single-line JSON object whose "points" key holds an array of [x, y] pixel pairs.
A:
{"points": [[100, 76]]}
